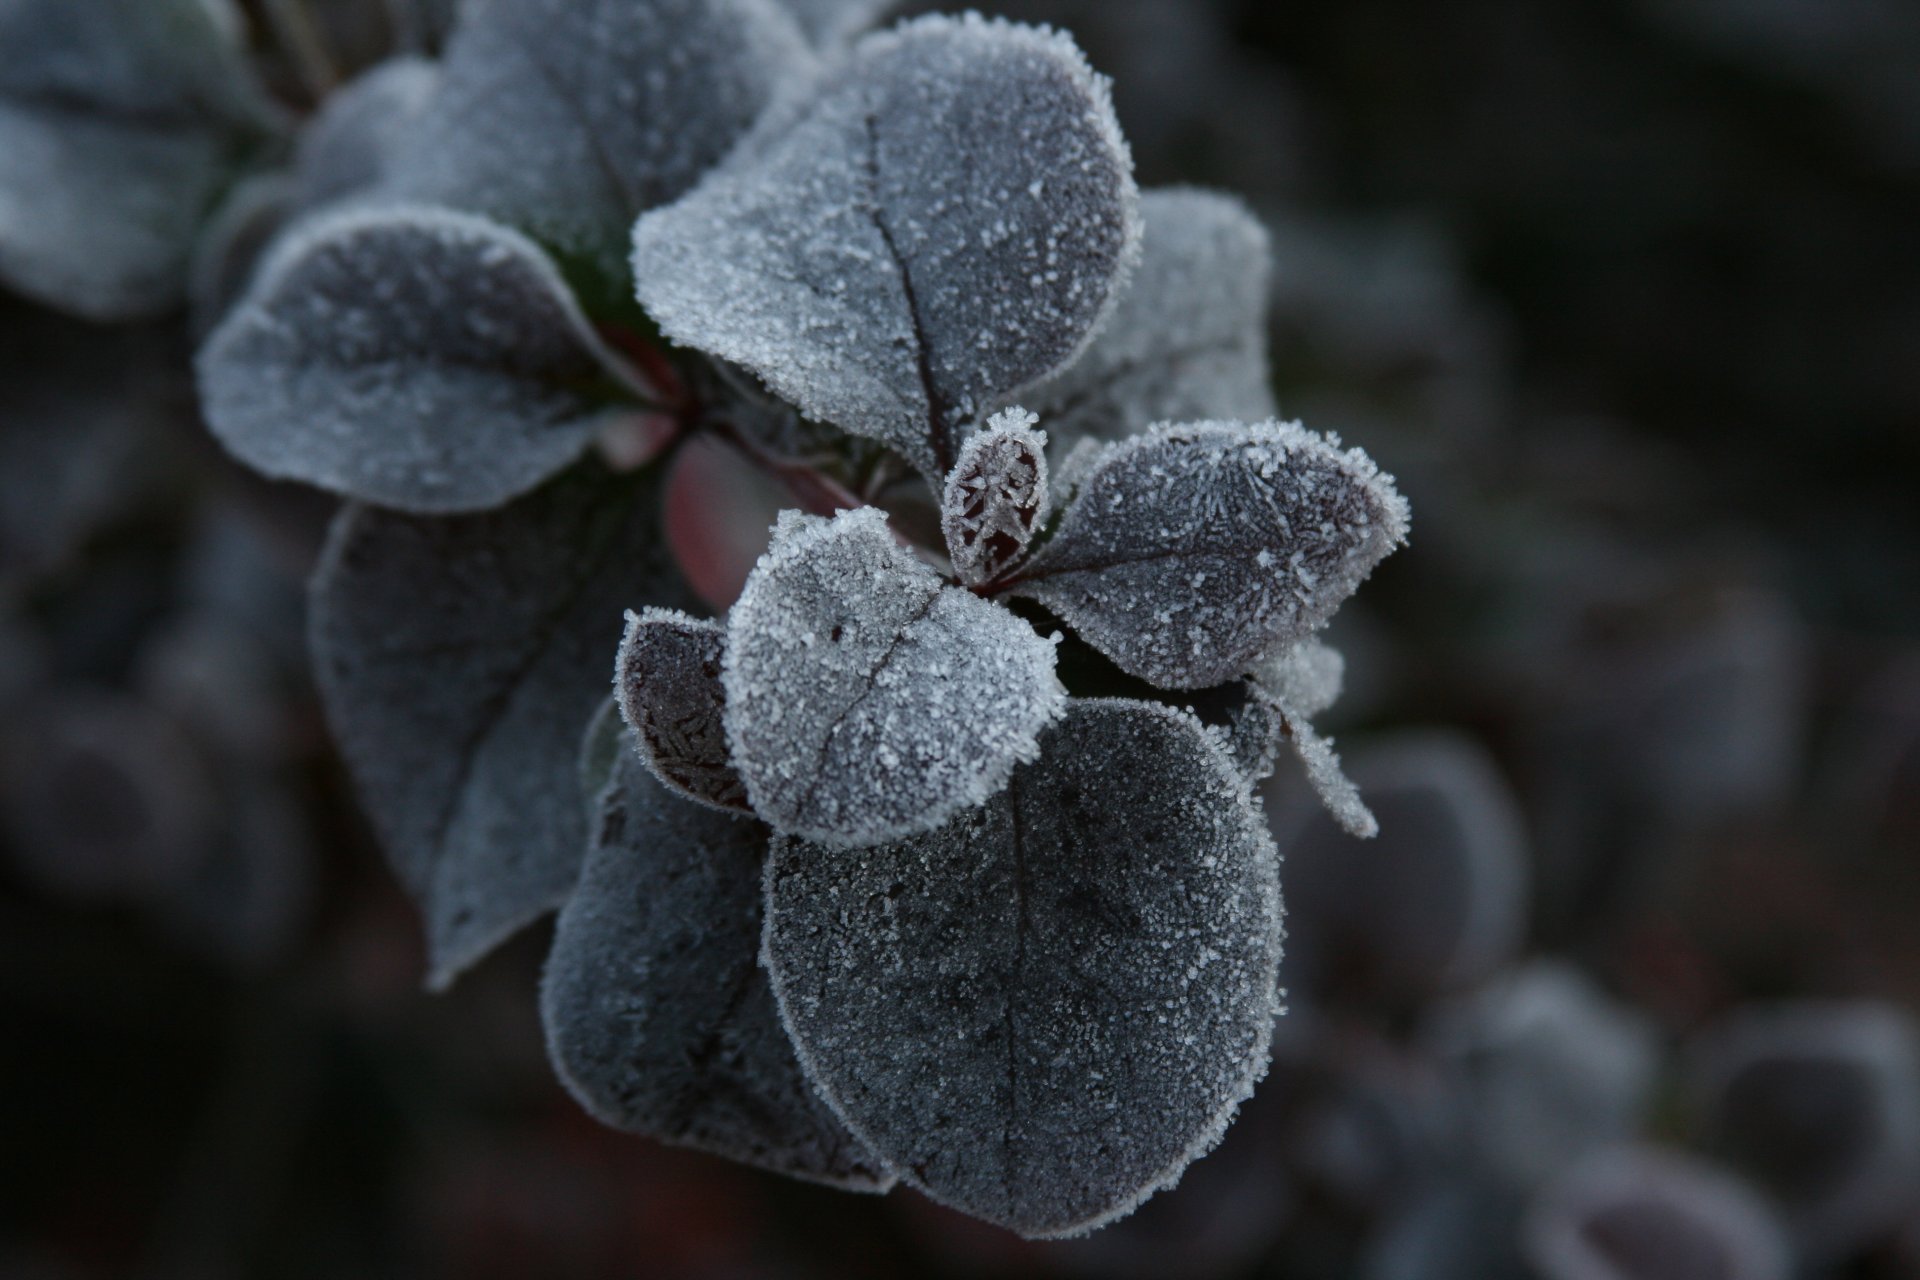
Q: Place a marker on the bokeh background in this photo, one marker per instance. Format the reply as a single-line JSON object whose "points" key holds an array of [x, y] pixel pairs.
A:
{"points": [[1627, 295]]}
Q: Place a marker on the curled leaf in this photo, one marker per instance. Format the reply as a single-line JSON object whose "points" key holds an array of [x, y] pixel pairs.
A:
{"points": [[668, 681], [425, 361], [659, 1018], [1041, 1012], [867, 700], [1192, 550], [945, 224], [996, 496]]}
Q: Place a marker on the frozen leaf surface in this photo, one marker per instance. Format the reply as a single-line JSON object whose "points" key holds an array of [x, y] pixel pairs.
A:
{"points": [[1043, 1011], [351, 144], [996, 496], [947, 223], [866, 699], [120, 121], [668, 683], [1307, 676], [567, 119], [460, 660], [1190, 551], [828, 22], [659, 1018], [421, 360], [1187, 341]]}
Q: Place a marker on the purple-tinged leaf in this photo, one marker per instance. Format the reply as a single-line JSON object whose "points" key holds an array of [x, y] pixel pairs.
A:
{"points": [[667, 678], [1043, 1011], [996, 497], [421, 360], [947, 223], [1190, 551], [460, 661], [866, 699], [659, 1018]]}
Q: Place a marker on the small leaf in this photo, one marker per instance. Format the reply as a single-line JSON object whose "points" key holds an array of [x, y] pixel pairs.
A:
{"points": [[567, 119], [1317, 756], [460, 661], [602, 747], [1281, 694], [996, 496], [866, 699], [830, 22], [1043, 1011], [350, 145], [1188, 341], [659, 1018], [1192, 550], [947, 223], [120, 123], [1307, 676], [668, 681], [425, 361]]}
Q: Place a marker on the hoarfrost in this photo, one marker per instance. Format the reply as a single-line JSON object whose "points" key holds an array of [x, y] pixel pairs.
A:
{"points": [[659, 1018], [866, 699], [1307, 676], [668, 681], [460, 660], [422, 360], [1043, 1011], [946, 223], [996, 496], [1324, 775], [1192, 550]]}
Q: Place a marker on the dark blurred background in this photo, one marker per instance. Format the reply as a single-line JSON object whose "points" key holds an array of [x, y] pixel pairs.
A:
{"points": [[1627, 295]]}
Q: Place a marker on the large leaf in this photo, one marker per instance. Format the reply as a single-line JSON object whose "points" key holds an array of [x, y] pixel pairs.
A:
{"points": [[421, 360], [867, 699], [1188, 341], [460, 660], [1043, 1011], [659, 1018], [667, 679], [947, 223], [1191, 551], [569, 118], [120, 123]]}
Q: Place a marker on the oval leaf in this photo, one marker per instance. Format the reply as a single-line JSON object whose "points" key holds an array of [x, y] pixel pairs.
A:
{"points": [[945, 224], [866, 699], [421, 360], [659, 1018], [667, 678], [1043, 1011], [460, 661], [996, 496], [1192, 550]]}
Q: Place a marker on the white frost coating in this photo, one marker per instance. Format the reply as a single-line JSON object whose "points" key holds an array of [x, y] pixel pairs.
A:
{"points": [[1324, 775], [567, 119], [120, 123], [1307, 676], [351, 143], [868, 700], [948, 222], [421, 360], [1192, 550], [829, 22], [1187, 342], [996, 496], [1043, 1011], [667, 678]]}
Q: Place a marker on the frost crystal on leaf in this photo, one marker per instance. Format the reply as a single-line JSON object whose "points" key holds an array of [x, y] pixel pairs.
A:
{"points": [[460, 660], [659, 1018], [1190, 551], [668, 681], [1043, 1011], [1307, 676], [947, 223], [422, 360], [996, 496], [1188, 340], [867, 699]]}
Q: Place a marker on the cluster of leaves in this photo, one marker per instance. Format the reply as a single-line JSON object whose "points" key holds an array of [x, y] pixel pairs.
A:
{"points": [[931, 863]]}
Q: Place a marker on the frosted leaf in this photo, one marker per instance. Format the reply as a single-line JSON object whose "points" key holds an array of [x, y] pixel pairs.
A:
{"points": [[945, 224], [232, 244], [1190, 551], [567, 119], [460, 660], [421, 360], [829, 22], [996, 496], [121, 121], [1307, 676], [659, 1018], [350, 145], [1322, 765], [868, 700], [1043, 1011], [602, 746], [1187, 341], [1283, 693], [667, 678]]}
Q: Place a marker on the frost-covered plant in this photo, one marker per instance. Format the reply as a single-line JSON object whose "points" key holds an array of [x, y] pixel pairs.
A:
{"points": [[933, 861]]}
